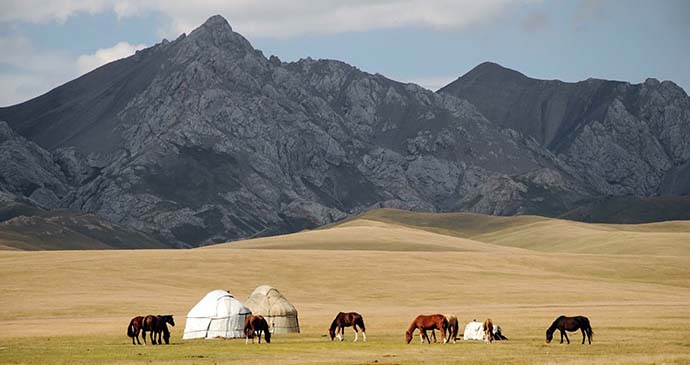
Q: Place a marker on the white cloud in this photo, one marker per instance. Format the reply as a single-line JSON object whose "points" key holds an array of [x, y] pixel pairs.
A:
{"points": [[27, 72], [278, 18], [86, 63]]}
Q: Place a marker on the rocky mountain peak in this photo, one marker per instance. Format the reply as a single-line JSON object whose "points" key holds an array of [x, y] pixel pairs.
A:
{"points": [[216, 31]]}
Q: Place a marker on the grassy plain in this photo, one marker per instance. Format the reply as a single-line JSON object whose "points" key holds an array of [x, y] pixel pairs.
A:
{"points": [[72, 307]]}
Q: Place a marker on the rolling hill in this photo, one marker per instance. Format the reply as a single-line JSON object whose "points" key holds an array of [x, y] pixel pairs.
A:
{"points": [[391, 229]]}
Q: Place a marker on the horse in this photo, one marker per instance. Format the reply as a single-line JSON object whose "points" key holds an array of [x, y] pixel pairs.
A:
{"points": [[343, 320], [155, 325], [255, 326], [571, 324], [162, 327], [424, 323], [488, 327], [452, 329], [134, 328]]}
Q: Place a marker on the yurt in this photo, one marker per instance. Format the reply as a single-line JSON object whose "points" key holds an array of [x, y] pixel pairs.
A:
{"points": [[218, 314], [279, 313]]}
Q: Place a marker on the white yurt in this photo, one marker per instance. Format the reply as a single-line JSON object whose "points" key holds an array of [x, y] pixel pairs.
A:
{"points": [[278, 312], [218, 314]]}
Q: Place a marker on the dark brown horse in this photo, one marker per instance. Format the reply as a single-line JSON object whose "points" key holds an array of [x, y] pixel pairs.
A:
{"points": [[571, 324], [156, 326], [425, 323], [134, 328], [255, 326], [343, 320]]}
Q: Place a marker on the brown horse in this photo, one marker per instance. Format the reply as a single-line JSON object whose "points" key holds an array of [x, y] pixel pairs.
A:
{"points": [[424, 323], [488, 327], [134, 328], [571, 324], [156, 325], [343, 320], [452, 329], [255, 326]]}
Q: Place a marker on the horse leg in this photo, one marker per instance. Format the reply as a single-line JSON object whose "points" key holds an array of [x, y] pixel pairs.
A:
{"points": [[364, 336], [143, 336], [443, 335], [153, 337], [354, 328], [582, 329], [561, 335], [566, 337], [433, 334], [259, 335]]}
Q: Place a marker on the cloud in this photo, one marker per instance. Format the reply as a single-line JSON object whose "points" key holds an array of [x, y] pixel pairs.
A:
{"points": [[86, 63], [278, 18], [535, 21], [26, 71]]}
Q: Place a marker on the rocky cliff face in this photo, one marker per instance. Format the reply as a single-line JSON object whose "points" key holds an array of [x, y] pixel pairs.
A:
{"points": [[204, 139], [623, 139]]}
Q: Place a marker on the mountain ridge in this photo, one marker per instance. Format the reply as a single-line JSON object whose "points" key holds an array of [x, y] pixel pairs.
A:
{"points": [[204, 139]]}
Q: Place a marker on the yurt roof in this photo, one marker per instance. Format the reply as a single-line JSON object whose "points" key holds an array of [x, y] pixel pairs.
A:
{"points": [[267, 300], [209, 306]]}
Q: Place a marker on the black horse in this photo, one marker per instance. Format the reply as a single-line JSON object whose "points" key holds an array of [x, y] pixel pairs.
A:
{"points": [[157, 326], [343, 320], [571, 324]]}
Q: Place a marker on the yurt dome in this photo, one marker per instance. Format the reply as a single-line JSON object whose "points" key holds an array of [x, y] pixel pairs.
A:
{"points": [[280, 314], [218, 314]]}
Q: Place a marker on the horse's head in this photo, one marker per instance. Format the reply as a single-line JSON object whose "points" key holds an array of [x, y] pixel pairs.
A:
{"points": [[549, 335], [267, 335], [331, 332], [408, 336], [169, 319]]}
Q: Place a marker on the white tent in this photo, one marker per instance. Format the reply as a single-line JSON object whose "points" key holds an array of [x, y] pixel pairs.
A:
{"points": [[218, 314], [475, 331], [279, 313]]}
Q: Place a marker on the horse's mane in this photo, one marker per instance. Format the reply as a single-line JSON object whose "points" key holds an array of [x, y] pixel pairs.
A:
{"points": [[553, 326], [412, 326]]}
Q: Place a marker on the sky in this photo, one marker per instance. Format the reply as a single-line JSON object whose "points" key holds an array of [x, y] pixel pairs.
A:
{"points": [[44, 44]]}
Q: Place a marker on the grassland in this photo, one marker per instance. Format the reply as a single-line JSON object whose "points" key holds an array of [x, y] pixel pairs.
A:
{"points": [[72, 307]]}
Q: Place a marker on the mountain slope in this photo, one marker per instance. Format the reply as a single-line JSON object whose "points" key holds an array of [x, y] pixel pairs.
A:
{"points": [[209, 140], [204, 140], [623, 139]]}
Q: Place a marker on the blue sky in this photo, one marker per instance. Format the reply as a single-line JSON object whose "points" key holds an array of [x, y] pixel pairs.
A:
{"points": [[429, 42]]}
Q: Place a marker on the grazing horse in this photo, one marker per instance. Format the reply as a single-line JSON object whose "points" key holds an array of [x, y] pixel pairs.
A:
{"points": [[343, 320], [134, 328], [571, 324], [452, 329], [255, 326], [424, 323], [488, 327], [155, 325]]}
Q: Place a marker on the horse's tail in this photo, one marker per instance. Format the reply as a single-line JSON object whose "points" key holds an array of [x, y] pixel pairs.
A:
{"points": [[130, 328], [590, 333]]}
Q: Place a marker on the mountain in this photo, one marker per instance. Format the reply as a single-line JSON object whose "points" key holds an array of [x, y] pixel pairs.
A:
{"points": [[621, 138], [204, 139]]}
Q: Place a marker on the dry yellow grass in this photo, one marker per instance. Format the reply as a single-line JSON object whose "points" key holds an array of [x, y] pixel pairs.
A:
{"points": [[546, 234], [73, 306]]}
